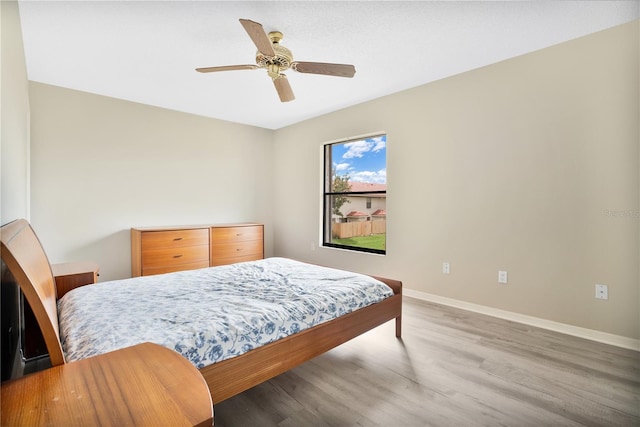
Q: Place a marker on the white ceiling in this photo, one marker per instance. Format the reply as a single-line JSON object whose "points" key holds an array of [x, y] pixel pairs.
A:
{"points": [[147, 51]]}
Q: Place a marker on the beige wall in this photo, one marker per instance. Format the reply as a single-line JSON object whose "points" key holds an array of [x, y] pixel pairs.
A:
{"points": [[14, 145], [529, 166], [101, 166]]}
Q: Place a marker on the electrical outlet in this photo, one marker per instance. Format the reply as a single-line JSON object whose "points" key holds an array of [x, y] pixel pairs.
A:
{"points": [[446, 268], [602, 292], [502, 277]]}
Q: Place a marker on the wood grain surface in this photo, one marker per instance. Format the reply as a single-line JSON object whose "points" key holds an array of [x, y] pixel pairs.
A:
{"points": [[143, 385], [27, 261]]}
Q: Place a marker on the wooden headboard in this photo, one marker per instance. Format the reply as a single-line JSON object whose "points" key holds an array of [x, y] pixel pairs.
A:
{"points": [[25, 258]]}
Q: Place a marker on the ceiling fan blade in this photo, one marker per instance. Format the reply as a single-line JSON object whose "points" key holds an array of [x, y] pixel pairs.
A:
{"points": [[284, 88], [340, 70], [258, 36], [226, 68]]}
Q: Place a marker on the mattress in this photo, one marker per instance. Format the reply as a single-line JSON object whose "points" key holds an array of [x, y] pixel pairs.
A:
{"points": [[211, 314]]}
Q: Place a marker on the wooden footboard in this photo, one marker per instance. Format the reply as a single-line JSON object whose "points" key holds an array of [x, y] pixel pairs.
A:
{"points": [[235, 375]]}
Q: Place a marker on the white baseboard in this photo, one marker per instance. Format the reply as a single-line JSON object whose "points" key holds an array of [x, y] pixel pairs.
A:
{"points": [[590, 334]]}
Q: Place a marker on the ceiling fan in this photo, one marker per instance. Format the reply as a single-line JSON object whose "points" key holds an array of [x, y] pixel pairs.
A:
{"points": [[276, 58]]}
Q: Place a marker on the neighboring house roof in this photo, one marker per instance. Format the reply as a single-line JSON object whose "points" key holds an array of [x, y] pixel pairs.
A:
{"points": [[357, 213], [380, 212], [367, 186]]}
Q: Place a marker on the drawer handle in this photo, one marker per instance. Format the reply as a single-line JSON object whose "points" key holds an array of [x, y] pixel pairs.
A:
{"points": [[177, 238], [238, 234], [238, 249], [177, 256]]}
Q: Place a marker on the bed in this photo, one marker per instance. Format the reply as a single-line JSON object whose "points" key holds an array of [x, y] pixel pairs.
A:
{"points": [[266, 343]]}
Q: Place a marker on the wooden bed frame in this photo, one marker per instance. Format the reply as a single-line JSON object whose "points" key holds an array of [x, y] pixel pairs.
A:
{"points": [[28, 262]]}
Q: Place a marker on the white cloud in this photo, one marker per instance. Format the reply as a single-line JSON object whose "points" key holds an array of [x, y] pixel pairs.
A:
{"points": [[356, 149], [379, 177], [359, 148], [341, 166], [380, 144]]}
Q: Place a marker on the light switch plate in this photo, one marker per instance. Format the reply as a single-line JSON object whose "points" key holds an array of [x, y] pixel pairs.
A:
{"points": [[502, 277]]}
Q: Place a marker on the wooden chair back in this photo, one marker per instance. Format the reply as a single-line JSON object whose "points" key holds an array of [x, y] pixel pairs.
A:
{"points": [[25, 258]]}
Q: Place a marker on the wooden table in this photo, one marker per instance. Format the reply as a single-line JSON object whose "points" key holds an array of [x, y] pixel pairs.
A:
{"points": [[71, 275], [143, 385]]}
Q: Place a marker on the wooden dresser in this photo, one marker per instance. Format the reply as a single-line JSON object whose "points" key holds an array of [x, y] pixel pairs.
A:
{"points": [[156, 250], [236, 244]]}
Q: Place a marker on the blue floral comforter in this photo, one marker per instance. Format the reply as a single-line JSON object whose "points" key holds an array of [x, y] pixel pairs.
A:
{"points": [[211, 314]]}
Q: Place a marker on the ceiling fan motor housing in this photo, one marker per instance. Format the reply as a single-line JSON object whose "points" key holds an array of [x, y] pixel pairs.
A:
{"points": [[280, 62]]}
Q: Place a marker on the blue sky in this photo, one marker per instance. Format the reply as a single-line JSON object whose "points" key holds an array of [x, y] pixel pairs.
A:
{"points": [[364, 160]]}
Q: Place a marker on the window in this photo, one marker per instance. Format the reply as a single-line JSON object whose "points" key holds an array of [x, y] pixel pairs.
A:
{"points": [[355, 194]]}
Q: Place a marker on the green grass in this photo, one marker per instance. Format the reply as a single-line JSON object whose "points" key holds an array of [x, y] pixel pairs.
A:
{"points": [[375, 241]]}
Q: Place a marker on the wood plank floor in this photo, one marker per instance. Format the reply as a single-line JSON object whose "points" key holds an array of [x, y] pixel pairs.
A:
{"points": [[451, 368]]}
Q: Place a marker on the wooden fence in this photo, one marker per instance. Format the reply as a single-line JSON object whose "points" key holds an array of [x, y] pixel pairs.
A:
{"points": [[344, 230]]}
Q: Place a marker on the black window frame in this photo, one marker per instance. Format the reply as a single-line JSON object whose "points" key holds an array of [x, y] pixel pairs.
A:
{"points": [[327, 197]]}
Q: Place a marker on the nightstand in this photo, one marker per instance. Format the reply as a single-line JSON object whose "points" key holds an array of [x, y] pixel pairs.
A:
{"points": [[71, 275]]}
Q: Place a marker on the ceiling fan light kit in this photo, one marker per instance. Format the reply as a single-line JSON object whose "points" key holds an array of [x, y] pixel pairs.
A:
{"points": [[275, 58]]}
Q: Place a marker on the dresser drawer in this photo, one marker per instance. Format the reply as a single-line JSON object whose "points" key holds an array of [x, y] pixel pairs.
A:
{"points": [[236, 249], [233, 260], [148, 271], [159, 257], [174, 239], [236, 234]]}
